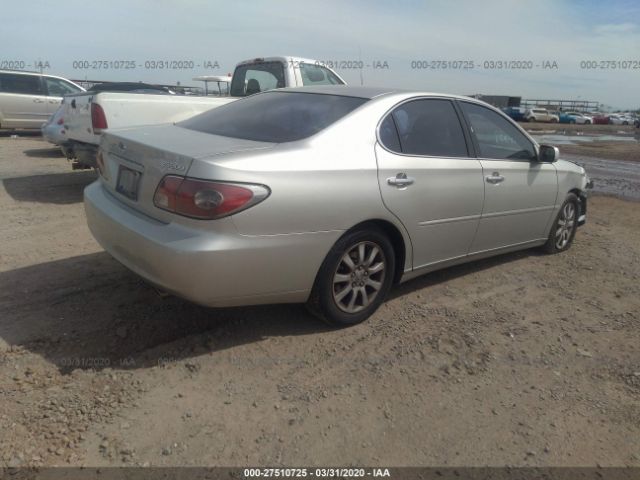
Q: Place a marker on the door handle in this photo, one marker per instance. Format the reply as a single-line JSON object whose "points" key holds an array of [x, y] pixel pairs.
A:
{"points": [[400, 180], [38, 100], [494, 178]]}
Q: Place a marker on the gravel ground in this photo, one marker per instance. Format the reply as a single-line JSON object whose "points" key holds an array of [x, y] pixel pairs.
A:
{"points": [[523, 359]]}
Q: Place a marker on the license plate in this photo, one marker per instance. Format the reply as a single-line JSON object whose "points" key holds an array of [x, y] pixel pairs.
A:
{"points": [[127, 184]]}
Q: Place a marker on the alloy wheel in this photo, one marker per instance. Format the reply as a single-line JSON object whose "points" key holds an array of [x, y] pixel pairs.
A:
{"points": [[359, 277], [565, 225]]}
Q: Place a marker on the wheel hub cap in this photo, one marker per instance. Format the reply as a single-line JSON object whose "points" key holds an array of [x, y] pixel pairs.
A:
{"points": [[359, 277]]}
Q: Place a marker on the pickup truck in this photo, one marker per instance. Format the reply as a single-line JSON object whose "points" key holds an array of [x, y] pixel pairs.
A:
{"points": [[87, 115]]}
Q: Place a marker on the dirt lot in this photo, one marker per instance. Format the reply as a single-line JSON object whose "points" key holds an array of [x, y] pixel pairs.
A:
{"points": [[523, 359]]}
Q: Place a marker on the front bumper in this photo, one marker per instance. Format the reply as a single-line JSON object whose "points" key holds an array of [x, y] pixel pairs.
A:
{"points": [[214, 267]]}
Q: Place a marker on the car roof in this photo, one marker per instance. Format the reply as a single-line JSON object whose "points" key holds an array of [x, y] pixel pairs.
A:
{"points": [[39, 74]]}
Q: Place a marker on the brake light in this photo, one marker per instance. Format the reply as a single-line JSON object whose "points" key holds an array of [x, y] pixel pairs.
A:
{"points": [[60, 121], [98, 118], [205, 199]]}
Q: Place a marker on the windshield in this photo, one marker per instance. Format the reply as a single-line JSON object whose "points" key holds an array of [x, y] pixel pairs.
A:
{"points": [[275, 116]]}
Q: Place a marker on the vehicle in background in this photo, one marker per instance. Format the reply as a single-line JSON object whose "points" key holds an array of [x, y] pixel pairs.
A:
{"points": [[88, 115], [540, 115], [27, 99], [600, 118], [516, 113], [222, 208], [617, 119], [580, 118], [563, 117], [53, 129]]}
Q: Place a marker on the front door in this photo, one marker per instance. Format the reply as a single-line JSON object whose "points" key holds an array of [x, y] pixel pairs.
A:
{"points": [[520, 191]]}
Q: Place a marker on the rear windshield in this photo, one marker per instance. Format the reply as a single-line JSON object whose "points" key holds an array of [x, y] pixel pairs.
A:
{"points": [[274, 116], [257, 77]]}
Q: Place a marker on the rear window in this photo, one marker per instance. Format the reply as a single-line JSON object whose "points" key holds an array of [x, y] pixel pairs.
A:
{"points": [[257, 77], [275, 116]]}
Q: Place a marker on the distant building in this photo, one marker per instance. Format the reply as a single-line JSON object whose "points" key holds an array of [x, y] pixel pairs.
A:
{"points": [[498, 101], [562, 105]]}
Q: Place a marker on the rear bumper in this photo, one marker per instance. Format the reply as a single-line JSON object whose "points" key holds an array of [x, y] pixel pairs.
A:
{"points": [[210, 267]]}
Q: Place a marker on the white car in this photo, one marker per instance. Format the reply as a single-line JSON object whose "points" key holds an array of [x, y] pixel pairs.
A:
{"points": [[580, 118], [616, 119], [540, 115], [28, 99]]}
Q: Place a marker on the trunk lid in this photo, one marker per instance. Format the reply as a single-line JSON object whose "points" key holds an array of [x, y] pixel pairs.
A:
{"points": [[135, 161]]}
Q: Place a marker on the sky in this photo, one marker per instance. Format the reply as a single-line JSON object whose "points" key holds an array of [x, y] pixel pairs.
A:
{"points": [[399, 36]]}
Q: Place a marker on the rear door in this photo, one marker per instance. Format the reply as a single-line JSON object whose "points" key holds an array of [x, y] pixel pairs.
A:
{"points": [[429, 179], [23, 102], [520, 192]]}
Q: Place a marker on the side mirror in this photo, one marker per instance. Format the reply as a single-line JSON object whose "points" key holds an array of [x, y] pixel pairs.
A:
{"points": [[548, 154]]}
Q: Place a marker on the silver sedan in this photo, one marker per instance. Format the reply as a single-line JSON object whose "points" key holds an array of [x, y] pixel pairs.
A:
{"points": [[327, 195]]}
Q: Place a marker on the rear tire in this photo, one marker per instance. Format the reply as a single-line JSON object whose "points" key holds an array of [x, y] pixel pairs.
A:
{"points": [[564, 227], [354, 279]]}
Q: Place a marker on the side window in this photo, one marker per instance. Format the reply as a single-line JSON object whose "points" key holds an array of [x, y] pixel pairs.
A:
{"points": [[25, 84], [496, 136], [430, 127], [389, 135], [59, 88], [317, 75]]}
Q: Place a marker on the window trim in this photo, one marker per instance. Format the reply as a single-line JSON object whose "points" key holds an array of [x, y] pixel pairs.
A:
{"points": [[467, 140], [476, 145]]}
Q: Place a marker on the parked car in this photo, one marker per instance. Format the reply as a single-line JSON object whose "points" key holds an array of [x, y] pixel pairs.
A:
{"points": [[516, 113], [616, 119], [580, 118], [540, 115], [27, 99], [563, 117], [89, 114], [327, 195], [600, 119]]}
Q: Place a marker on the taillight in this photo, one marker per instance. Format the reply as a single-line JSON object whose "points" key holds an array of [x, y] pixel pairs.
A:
{"points": [[98, 118], [60, 121], [205, 199]]}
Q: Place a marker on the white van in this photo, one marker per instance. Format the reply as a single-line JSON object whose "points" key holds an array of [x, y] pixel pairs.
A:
{"points": [[28, 99]]}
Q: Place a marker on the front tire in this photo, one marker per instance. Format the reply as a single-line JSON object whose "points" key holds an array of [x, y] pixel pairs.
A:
{"points": [[354, 279], [564, 227]]}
